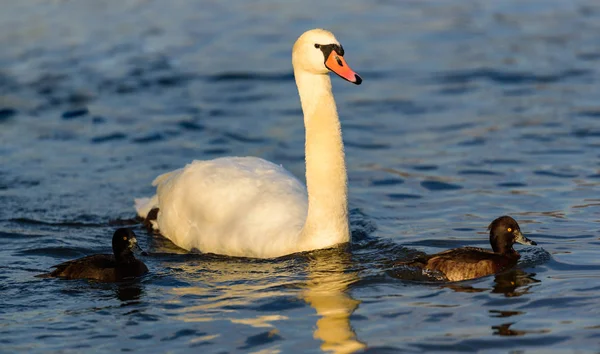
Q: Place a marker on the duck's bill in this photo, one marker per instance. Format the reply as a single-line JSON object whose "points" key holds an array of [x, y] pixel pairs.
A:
{"points": [[135, 247], [523, 240], [338, 65]]}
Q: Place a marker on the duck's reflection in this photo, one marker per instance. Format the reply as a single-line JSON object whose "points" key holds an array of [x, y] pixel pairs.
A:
{"points": [[505, 313], [233, 286], [512, 283], [505, 330], [128, 291]]}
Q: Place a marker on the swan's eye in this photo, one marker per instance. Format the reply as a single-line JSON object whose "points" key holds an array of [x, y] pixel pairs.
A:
{"points": [[509, 229], [317, 46]]}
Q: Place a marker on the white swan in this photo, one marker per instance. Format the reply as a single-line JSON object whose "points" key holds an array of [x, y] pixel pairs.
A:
{"points": [[249, 207]]}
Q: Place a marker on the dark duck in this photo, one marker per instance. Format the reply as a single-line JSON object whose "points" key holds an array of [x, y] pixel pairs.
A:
{"points": [[472, 262], [121, 265]]}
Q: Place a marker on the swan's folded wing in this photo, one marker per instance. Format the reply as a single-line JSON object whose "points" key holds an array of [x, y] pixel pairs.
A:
{"points": [[236, 206]]}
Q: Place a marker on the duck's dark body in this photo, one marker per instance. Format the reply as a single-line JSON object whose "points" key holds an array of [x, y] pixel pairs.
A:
{"points": [[101, 267], [466, 263], [471, 262], [115, 267]]}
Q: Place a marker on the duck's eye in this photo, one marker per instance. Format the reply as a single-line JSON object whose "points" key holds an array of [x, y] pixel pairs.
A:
{"points": [[317, 46], [124, 238], [509, 229]]}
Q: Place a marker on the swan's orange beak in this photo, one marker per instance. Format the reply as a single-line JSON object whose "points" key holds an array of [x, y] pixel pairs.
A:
{"points": [[338, 65]]}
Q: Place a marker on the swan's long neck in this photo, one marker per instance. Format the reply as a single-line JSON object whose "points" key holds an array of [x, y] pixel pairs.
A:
{"points": [[327, 219]]}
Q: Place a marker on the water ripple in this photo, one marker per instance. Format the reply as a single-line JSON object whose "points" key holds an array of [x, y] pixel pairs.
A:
{"points": [[7, 113], [506, 77], [108, 138], [75, 113], [84, 223], [250, 76], [440, 186], [396, 105]]}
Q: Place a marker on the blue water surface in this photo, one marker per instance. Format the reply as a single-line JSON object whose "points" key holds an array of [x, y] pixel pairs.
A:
{"points": [[468, 111]]}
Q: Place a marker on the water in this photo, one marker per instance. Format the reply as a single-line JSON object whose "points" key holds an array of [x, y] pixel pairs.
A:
{"points": [[468, 111]]}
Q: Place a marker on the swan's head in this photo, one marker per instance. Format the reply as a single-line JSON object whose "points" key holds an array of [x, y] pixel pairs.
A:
{"points": [[318, 52]]}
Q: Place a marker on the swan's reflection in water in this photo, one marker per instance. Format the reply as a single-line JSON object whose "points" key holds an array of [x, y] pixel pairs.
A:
{"points": [[236, 289], [326, 292]]}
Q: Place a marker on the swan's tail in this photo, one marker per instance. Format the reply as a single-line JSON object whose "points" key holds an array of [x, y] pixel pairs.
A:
{"points": [[144, 205], [147, 208]]}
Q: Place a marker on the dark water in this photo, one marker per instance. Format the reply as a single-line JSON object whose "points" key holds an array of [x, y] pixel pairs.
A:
{"points": [[468, 111]]}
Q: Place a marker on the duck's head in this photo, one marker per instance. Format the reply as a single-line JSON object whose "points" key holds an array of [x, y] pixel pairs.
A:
{"points": [[318, 52], [123, 243], [504, 233]]}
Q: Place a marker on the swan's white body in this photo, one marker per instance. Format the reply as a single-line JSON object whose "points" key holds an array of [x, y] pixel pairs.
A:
{"points": [[249, 201], [246, 206]]}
